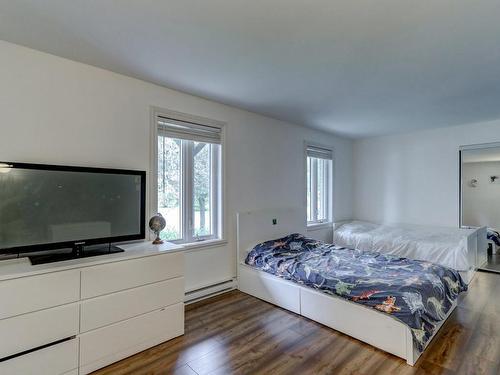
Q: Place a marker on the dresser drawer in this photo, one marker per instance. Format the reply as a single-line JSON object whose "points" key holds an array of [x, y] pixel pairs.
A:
{"points": [[106, 345], [113, 277], [101, 311], [54, 360], [28, 294], [32, 330]]}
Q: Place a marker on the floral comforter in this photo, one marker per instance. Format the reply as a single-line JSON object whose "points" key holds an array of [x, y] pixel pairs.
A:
{"points": [[418, 293]]}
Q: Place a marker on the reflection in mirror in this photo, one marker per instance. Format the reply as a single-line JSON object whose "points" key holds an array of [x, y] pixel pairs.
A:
{"points": [[480, 195]]}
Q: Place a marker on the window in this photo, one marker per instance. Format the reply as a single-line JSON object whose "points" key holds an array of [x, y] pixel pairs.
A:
{"points": [[319, 162], [189, 180]]}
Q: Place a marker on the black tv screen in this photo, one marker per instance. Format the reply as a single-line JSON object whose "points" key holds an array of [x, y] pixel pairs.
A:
{"points": [[45, 207]]}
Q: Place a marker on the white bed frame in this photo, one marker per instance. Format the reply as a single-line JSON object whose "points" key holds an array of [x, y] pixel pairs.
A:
{"points": [[375, 328]]}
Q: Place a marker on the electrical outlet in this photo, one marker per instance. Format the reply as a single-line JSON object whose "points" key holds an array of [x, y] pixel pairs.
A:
{"points": [[275, 221]]}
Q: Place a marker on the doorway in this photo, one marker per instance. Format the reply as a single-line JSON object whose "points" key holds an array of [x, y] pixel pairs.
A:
{"points": [[480, 195]]}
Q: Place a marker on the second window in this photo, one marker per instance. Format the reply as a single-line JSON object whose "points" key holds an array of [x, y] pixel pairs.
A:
{"points": [[319, 167]]}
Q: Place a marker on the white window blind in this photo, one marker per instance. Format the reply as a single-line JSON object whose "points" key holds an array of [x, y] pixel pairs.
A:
{"points": [[319, 153], [172, 128]]}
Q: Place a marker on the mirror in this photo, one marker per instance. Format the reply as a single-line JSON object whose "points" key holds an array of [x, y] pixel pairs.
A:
{"points": [[480, 195]]}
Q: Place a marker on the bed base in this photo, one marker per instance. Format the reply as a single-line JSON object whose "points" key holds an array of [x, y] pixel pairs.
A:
{"points": [[360, 322]]}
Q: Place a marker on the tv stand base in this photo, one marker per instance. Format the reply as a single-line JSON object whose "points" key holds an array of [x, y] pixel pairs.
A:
{"points": [[75, 253]]}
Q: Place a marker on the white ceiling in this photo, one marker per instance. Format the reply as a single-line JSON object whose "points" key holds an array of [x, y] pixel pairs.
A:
{"points": [[357, 68], [481, 155]]}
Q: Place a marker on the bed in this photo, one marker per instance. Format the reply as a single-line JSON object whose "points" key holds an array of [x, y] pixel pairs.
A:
{"points": [[360, 319], [461, 249]]}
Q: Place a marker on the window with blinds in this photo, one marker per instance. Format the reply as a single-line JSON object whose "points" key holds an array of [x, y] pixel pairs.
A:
{"points": [[319, 168], [189, 179]]}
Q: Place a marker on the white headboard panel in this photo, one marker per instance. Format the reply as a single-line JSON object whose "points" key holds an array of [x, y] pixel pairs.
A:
{"points": [[254, 227]]}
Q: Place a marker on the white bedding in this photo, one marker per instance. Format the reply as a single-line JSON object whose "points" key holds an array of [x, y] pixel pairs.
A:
{"points": [[445, 246]]}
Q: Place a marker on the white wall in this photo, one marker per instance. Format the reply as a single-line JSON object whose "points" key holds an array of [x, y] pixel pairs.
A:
{"points": [[54, 110], [481, 204], [414, 177]]}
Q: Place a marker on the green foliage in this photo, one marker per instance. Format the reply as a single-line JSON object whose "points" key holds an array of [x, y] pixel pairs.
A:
{"points": [[169, 233], [201, 175], [169, 172]]}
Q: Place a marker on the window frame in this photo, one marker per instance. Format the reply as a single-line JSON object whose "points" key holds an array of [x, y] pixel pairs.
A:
{"points": [[187, 170], [328, 185], [218, 213]]}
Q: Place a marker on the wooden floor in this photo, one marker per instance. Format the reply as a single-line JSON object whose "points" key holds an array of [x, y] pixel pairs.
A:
{"points": [[239, 334]]}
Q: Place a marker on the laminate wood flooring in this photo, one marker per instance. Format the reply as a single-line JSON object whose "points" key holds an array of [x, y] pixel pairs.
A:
{"points": [[235, 333]]}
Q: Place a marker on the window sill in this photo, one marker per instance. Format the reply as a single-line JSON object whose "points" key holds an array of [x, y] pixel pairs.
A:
{"points": [[203, 244], [319, 226]]}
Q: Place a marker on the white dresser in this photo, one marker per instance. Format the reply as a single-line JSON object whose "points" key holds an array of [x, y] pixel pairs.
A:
{"points": [[77, 316]]}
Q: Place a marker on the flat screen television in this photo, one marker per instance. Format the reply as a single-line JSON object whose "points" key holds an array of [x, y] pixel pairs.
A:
{"points": [[48, 207]]}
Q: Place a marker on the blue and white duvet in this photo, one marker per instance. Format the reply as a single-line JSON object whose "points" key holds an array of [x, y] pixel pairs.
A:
{"points": [[418, 293]]}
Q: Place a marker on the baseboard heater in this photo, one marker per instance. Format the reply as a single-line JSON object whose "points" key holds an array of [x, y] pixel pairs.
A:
{"points": [[209, 291]]}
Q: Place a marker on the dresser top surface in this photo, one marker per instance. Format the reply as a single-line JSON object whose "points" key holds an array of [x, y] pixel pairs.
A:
{"points": [[22, 267]]}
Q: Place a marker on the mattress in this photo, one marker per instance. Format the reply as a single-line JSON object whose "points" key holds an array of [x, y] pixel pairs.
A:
{"points": [[418, 293], [445, 246]]}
